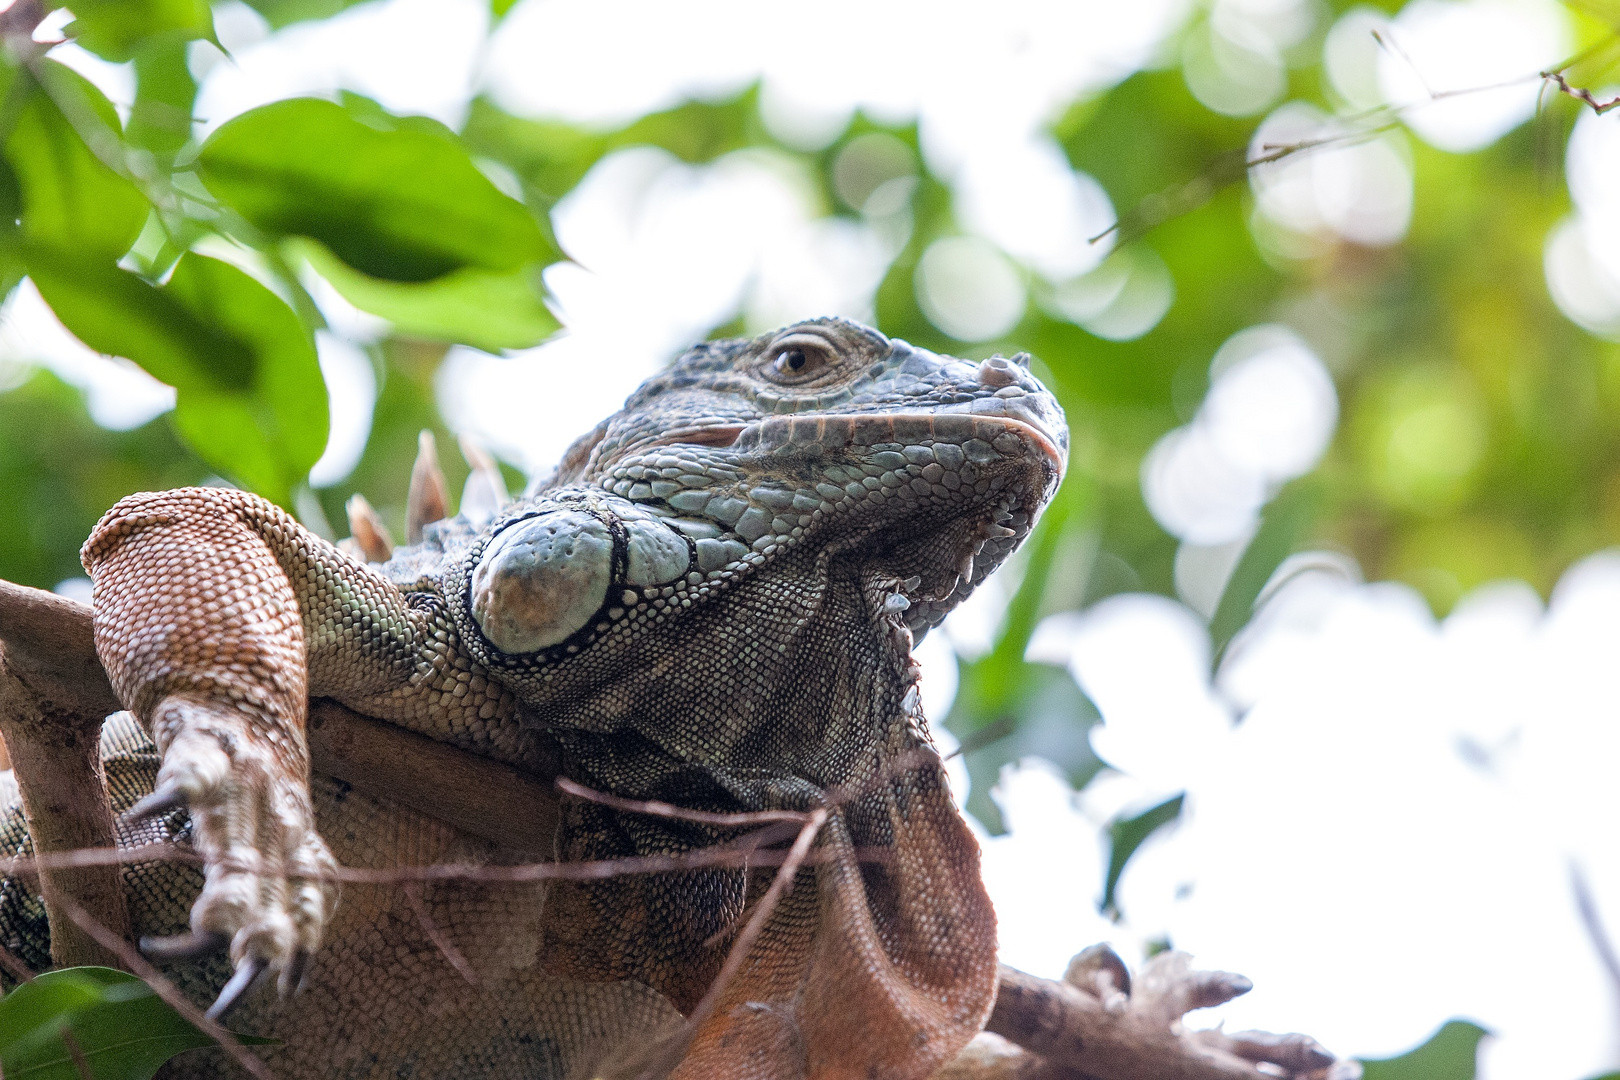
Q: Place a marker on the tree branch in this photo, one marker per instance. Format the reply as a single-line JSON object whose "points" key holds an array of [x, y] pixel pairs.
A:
{"points": [[54, 695], [53, 698]]}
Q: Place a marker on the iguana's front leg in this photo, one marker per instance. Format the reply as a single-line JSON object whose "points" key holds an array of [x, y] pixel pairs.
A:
{"points": [[216, 617]]}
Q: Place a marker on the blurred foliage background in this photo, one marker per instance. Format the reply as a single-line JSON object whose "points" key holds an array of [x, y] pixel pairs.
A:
{"points": [[1478, 426]]}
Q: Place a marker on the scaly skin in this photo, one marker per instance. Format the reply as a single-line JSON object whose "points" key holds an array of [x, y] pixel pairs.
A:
{"points": [[711, 603]]}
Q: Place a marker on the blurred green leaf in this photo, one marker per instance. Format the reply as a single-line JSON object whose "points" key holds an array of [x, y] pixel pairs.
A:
{"points": [[251, 399], [279, 13], [160, 119], [1449, 1054], [123, 1030], [551, 156], [499, 8], [60, 471], [486, 310], [1126, 836], [400, 202], [1006, 707], [115, 29], [1282, 525], [70, 198], [1005, 711]]}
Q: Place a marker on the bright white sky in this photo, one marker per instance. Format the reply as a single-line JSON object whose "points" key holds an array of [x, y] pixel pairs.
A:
{"points": [[1384, 812]]}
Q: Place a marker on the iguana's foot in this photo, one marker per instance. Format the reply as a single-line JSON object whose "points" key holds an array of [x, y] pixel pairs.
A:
{"points": [[1168, 988], [1100, 1023], [268, 888]]}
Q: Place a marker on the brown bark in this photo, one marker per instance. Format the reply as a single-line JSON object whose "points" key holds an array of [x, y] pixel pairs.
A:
{"points": [[53, 698], [483, 797], [1063, 1024]]}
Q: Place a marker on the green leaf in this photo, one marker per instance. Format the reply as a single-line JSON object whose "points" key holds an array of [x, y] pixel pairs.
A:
{"points": [[165, 91], [499, 8], [1125, 836], [115, 29], [250, 396], [402, 202], [70, 198], [1281, 527], [1006, 707], [1450, 1054], [123, 1029], [279, 13], [487, 310], [1005, 711]]}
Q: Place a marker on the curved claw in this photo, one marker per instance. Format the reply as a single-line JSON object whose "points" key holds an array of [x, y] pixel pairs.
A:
{"points": [[1211, 988], [247, 973], [292, 976], [1169, 988], [1296, 1053], [1098, 970], [167, 797], [187, 946]]}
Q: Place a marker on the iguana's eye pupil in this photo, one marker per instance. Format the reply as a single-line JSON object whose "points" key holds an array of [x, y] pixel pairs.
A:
{"points": [[793, 359]]}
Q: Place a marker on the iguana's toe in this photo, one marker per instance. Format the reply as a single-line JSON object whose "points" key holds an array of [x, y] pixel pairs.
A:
{"points": [[161, 801], [187, 946], [268, 877]]}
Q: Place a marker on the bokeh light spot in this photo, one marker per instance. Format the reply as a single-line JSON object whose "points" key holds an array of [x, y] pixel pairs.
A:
{"points": [[968, 289]]}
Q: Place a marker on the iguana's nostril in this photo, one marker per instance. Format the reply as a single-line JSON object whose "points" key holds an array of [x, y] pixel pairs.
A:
{"points": [[998, 372]]}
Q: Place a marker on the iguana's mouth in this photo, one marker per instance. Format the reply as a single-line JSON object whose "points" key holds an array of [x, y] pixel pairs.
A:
{"points": [[836, 432], [720, 435]]}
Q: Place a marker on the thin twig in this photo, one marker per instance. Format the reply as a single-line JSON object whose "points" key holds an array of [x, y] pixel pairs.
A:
{"points": [[17, 969], [1156, 209], [142, 968], [1387, 42], [1593, 922], [741, 852], [669, 810], [413, 893], [781, 886], [98, 856], [1580, 93]]}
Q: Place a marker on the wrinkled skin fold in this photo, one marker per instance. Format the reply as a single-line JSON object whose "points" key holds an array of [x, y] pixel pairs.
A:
{"points": [[711, 604]]}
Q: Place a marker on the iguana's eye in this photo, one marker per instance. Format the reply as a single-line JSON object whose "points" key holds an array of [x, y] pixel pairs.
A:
{"points": [[800, 358]]}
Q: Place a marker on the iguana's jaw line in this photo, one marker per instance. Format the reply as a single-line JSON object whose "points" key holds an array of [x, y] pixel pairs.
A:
{"points": [[718, 435], [772, 433]]}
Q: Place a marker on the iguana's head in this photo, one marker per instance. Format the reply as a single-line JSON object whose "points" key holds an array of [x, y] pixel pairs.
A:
{"points": [[824, 436]]}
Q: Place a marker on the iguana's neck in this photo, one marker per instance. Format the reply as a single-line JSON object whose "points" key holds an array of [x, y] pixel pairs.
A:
{"points": [[790, 672]]}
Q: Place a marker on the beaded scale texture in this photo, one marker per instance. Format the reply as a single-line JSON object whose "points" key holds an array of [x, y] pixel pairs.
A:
{"points": [[711, 603]]}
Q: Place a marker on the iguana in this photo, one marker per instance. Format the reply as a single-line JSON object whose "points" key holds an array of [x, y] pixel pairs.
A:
{"points": [[710, 603]]}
